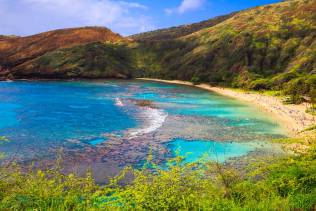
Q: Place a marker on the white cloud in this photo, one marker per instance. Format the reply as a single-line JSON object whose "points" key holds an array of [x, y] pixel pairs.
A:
{"points": [[33, 16], [133, 5], [185, 6], [169, 11]]}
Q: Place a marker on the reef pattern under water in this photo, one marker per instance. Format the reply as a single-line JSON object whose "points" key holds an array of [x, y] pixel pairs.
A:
{"points": [[107, 125]]}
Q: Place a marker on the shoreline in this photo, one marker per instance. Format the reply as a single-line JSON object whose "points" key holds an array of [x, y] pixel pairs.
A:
{"points": [[292, 118]]}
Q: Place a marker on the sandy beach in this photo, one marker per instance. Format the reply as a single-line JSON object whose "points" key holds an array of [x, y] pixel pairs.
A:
{"points": [[292, 117]]}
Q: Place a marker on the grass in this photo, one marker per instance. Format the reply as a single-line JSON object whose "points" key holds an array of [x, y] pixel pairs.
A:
{"points": [[311, 128], [287, 183], [311, 110], [3, 140]]}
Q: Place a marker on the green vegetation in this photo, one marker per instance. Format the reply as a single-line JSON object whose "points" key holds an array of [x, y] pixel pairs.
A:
{"points": [[287, 183], [266, 48], [94, 60], [270, 48], [310, 128], [2, 140]]}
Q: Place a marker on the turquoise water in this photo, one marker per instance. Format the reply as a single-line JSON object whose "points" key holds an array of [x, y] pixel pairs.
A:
{"points": [[97, 141], [100, 121], [199, 150]]}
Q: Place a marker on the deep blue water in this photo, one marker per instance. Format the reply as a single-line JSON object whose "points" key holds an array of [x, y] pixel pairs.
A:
{"points": [[40, 117]]}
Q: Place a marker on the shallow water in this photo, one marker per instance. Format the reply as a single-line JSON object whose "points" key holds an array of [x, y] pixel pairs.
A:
{"points": [[99, 121], [201, 150]]}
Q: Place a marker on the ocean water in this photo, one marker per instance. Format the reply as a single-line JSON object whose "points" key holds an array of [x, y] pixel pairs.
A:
{"points": [[203, 150], [101, 121]]}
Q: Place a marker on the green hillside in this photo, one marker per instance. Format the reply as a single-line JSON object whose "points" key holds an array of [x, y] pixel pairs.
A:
{"points": [[93, 60], [268, 47]]}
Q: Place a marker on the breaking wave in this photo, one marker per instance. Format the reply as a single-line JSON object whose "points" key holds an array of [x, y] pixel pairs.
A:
{"points": [[118, 102], [154, 119]]}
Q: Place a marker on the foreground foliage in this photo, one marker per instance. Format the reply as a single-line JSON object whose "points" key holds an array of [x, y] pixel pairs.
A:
{"points": [[283, 184]]}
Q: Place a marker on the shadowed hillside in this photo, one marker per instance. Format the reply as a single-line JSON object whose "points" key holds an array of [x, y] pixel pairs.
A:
{"points": [[16, 51], [92, 60]]}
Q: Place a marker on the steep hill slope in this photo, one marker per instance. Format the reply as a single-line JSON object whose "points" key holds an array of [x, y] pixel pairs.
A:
{"points": [[92, 60], [268, 47], [19, 50], [178, 31]]}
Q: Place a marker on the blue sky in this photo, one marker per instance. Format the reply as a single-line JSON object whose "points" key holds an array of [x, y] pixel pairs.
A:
{"points": [[26, 17]]}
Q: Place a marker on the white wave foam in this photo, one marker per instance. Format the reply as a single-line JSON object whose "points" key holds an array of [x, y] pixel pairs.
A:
{"points": [[118, 102], [7, 81], [154, 119]]}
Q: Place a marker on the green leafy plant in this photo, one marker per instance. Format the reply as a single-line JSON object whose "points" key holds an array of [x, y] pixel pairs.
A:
{"points": [[286, 183]]}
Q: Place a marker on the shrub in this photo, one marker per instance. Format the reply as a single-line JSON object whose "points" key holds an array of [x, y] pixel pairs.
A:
{"points": [[195, 80], [288, 183]]}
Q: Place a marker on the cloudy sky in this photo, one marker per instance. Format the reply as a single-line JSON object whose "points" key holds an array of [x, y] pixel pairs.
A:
{"points": [[26, 17]]}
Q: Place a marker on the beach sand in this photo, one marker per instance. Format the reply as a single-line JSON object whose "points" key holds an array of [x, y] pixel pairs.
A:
{"points": [[292, 118]]}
